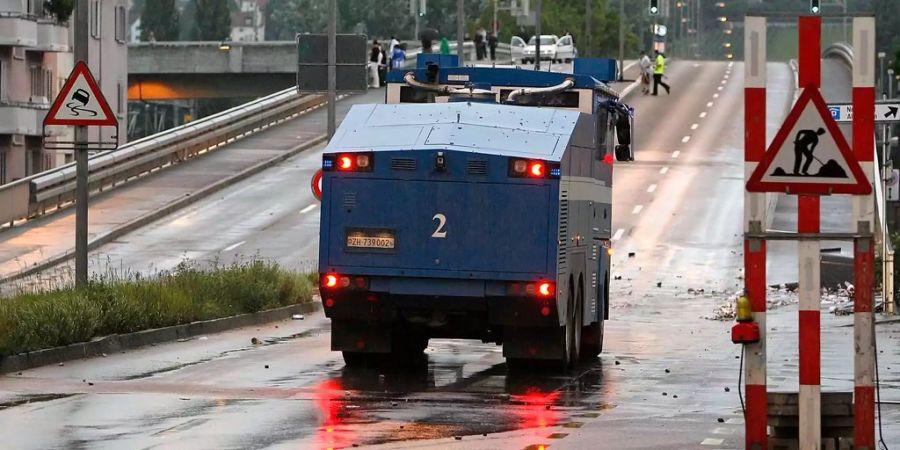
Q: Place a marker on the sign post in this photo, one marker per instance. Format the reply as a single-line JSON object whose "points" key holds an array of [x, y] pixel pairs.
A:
{"points": [[809, 157], [80, 102]]}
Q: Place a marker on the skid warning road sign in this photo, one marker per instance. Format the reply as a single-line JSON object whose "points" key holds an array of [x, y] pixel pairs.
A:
{"points": [[80, 102], [809, 155]]}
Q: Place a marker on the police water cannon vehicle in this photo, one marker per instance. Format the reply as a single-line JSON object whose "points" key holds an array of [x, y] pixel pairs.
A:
{"points": [[475, 204]]}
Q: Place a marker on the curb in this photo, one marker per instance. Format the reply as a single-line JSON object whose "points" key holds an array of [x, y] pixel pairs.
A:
{"points": [[119, 342], [168, 208]]}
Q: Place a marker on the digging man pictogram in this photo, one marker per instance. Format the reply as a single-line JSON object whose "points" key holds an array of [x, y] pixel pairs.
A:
{"points": [[805, 143]]}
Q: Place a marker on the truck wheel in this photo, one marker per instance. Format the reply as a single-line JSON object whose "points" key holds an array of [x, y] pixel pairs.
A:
{"points": [[592, 335], [577, 321], [571, 333]]}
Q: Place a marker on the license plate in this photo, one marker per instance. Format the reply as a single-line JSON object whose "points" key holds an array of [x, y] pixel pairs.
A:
{"points": [[357, 241]]}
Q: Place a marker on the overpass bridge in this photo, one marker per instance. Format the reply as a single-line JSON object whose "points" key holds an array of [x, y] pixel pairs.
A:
{"points": [[193, 70]]}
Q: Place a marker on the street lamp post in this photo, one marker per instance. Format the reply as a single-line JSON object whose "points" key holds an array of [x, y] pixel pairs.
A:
{"points": [[890, 83]]}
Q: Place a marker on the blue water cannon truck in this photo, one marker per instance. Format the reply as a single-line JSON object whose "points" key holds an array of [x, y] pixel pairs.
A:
{"points": [[476, 203]]}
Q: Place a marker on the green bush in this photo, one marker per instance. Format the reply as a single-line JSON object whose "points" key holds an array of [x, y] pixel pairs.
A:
{"points": [[110, 305]]}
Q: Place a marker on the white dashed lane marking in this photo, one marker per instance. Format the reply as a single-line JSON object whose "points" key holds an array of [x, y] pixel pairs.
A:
{"points": [[637, 209], [694, 126], [651, 188], [308, 209], [618, 234], [663, 170], [685, 139], [709, 104], [703, 114], [233, 246], [716, 95], [676, 153]]}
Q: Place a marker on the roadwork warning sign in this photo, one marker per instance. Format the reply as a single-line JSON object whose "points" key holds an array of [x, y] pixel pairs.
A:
{"points": [[80, 102], [809, 155]]}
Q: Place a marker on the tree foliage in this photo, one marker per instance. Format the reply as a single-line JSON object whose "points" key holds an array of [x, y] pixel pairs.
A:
{"points": [[212, 20], [59, 9], [159, 18]]}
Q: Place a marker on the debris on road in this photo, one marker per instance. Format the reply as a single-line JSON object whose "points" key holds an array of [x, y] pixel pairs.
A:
{"points": [[297, 317], [255, 341], [631, 254]]}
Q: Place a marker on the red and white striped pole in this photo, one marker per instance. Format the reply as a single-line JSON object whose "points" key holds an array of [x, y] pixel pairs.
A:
{"points": [[809, 77], [864, 256], [756, 416]]}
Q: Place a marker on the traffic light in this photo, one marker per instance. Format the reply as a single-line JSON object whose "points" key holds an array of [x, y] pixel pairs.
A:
{"points": [[815, 7], [654, 7]]}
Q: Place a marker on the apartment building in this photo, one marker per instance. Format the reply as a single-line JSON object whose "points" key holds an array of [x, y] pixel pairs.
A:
{"points": [[248, 21], [35, 57]]}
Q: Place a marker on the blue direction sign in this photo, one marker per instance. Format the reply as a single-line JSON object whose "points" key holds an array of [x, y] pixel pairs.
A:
{"points": [[884, 112]]}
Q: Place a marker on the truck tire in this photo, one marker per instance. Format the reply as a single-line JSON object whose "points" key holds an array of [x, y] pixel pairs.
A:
{"points": [[571, 332], [359, 359], [592, 335]]}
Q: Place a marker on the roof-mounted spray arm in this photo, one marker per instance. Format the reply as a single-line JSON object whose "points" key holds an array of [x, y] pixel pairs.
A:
{"points": [[568, 83]]}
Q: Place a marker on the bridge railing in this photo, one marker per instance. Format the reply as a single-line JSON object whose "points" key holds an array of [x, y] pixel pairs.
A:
{"points": [[46, 191], [51, 189]]}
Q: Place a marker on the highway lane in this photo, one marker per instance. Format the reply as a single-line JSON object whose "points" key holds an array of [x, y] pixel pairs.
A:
{"points": [[660, 383]]}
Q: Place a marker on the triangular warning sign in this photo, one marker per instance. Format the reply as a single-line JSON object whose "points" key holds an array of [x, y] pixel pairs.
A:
{"points": [[809, 154], [80, 102]]}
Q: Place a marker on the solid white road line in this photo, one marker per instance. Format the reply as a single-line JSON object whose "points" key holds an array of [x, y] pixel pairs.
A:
{"points": [[233, 246], [618, 234], [675, 154], [651, 188], [308, 208], [694, 126], [703, 114], [663, 170], [685, 139], [637, 209]]}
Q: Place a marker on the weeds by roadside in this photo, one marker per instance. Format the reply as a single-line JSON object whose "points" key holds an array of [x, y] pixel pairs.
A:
{"points": [[121, 304]]}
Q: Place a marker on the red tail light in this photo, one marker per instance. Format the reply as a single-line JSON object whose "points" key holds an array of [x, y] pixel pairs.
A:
{"points": [[545, 289], [540, 289], [608, 158], [335, 281], [533, 168], [330, 280], [346, 163]]}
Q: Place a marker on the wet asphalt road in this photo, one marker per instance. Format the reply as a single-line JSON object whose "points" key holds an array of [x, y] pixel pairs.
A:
{"points": [[660, 384]]}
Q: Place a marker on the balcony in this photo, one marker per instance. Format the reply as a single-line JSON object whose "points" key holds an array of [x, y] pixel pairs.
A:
{"points": [[18, 30], [52, 37], [22, 118]]}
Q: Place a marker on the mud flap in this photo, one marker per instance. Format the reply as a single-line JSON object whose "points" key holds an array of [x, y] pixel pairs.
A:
{"points": [[363, 337], [533, 343]]}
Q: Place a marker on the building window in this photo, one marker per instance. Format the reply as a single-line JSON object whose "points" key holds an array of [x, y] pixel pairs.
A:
{"points": [[41, 82], [2, 166], [95, 19], [121, 24], [18, 52]]}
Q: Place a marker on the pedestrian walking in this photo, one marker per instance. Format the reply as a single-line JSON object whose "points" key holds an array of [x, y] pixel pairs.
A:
{"points": [[492, 44], [398, 57], [375, 60], [445, 46], [658, 71], [479, 46], [394, 43], [646, 72]]}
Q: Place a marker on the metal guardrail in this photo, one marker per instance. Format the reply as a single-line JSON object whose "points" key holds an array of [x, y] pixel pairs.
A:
{"points": [[49, 190]]}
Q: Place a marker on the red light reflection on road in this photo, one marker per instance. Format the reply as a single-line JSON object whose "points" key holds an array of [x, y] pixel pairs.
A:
{"points": [[535, 409], [331, 400]]}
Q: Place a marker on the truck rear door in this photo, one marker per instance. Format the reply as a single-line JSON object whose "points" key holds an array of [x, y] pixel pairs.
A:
{"points": [[450, 227]]}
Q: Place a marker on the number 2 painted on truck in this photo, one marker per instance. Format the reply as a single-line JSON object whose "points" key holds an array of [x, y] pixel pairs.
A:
{"points": [[439, 232]]}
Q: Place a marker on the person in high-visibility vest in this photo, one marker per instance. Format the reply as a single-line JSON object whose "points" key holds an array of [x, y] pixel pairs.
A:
{"points": [[658, 70]]}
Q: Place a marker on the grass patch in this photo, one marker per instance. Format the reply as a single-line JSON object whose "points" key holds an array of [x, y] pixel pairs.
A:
{"points": [[112, 305]]}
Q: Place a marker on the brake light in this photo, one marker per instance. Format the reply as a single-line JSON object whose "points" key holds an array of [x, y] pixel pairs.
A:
{"points": [[348, 162], [608, 158], [330, 280], [533, 168], [545, 289], [541, 289], [336, 281]]}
